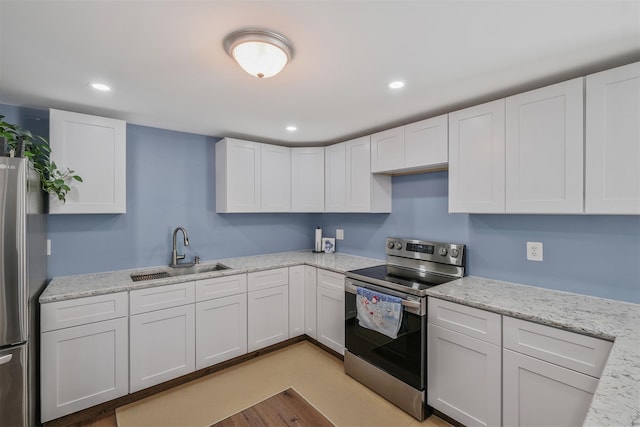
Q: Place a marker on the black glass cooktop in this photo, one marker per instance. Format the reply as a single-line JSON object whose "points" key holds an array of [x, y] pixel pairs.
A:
{"points": [[411, 281]]}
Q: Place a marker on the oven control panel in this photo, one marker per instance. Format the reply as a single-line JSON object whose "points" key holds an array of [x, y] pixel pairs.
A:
{"points": [[448, 253]]}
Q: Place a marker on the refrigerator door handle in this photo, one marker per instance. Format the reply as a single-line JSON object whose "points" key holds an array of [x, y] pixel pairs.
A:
{"points": [[6, 359]]}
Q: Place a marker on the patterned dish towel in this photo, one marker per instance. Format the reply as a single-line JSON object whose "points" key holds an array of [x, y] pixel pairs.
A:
{"points": [[379, 312]]}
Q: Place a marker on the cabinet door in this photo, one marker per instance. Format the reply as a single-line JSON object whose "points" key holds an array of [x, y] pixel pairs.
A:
{"points": [[83, 366], [162, 346], [538, 393], [476, 159], [268, 317], [307, 179], [238, 174], [330, 317], [276, 178], [96, 149], [335, 178], [358, 158], [310, 288], [426, 143], [612, 175], [387, 150], [463, 377], [221, 330], [544, 149], [296, 301]]}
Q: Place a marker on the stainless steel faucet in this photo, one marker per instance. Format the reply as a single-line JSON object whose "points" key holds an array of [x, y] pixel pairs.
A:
{"points": [[174, 253]]}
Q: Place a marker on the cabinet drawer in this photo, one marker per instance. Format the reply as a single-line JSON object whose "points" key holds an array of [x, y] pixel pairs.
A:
{"points": [[150, 299], [469, 321], [331, 280], [268, 279], [219, 287], [574, 351], [81, 311]]}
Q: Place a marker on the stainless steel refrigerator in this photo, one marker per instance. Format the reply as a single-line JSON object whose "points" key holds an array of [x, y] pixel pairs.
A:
{"points": [[23, 266]]}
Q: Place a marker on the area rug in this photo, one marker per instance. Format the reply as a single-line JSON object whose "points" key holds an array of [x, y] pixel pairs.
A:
{"points": [[285, 409]]}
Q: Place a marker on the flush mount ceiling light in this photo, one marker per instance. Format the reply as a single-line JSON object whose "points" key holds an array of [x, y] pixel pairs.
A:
{"points": [[261, 53]]}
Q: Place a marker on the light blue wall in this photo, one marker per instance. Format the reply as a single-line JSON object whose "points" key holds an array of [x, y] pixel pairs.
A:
{"points": [[170, 182], [593, 255]]}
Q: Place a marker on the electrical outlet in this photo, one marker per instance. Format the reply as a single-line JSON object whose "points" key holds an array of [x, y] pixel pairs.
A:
{"points": [[534, 251], [339, 234]]}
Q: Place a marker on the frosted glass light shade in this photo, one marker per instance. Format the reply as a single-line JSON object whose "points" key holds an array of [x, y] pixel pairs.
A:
{"points": [[260, 53]]}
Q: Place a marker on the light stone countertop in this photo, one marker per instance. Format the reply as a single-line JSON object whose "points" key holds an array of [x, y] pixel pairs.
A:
{"points": [[86, 285], [616, 401]]}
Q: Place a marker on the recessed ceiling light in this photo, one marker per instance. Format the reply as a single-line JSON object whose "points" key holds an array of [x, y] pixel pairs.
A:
{"points": [[396, 85], [100, 86], [291, 128]]}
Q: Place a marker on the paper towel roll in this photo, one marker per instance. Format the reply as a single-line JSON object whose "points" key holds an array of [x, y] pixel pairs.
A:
{"points": [[318, 244]]}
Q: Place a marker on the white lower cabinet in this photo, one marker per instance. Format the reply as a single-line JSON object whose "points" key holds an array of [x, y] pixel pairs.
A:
{"points": [[310, 297], [549, 374], [538, 393], [162, 346], [330, 310], [296, 301], [83, 354], [221, 330], [268, 317], [83, 366], [464, 371]]}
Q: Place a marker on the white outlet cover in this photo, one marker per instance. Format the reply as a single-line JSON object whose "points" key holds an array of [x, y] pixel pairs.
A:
{"points": [[534, 251], [339, 234]]}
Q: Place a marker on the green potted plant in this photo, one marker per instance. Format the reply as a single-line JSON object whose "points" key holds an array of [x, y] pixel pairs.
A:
{"points": [[18, 142]]}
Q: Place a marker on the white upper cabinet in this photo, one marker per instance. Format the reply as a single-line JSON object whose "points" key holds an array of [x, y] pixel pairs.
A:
{"points": [[613, 141], [426, 143], [96, 149], [238, 174], [387, 150], [365, 192], [335, 178], [307, 179], [418, 146], [544, 149], [476, 159], [276, 178]]}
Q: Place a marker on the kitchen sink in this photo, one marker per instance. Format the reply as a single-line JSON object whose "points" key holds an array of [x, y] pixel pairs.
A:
{"points": [[196, 269], [176, 272]]}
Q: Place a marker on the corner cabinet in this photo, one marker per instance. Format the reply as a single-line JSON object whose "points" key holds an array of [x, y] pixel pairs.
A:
{"points": [[84, 353], [96, 149], [612, 175]]}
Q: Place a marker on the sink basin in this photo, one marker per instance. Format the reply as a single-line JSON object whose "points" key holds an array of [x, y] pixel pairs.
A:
{"points": [[195, 269], [176, 272]]}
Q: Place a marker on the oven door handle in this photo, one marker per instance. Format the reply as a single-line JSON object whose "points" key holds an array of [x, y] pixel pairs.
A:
{"points": [[416, 305]]}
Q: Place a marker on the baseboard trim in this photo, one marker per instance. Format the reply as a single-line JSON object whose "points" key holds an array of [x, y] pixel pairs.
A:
{"points": [[81, 417]]}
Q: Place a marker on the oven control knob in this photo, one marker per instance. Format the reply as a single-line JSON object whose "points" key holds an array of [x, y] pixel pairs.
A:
{"points": [[390, 244], [443, 251], [454, 253], [398, 245]]}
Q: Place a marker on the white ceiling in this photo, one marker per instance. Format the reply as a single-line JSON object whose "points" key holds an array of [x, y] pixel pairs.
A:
{"points": [[168, 68]]}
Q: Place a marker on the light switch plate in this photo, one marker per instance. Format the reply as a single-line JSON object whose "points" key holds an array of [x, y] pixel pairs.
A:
{"points": [[339, 234]]}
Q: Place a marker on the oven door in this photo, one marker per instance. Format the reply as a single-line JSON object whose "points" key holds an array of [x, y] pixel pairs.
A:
{"points": [[403, 357]]}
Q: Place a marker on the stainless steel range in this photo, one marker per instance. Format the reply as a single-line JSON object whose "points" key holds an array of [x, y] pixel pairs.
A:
{"points": [[396, 368]]}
